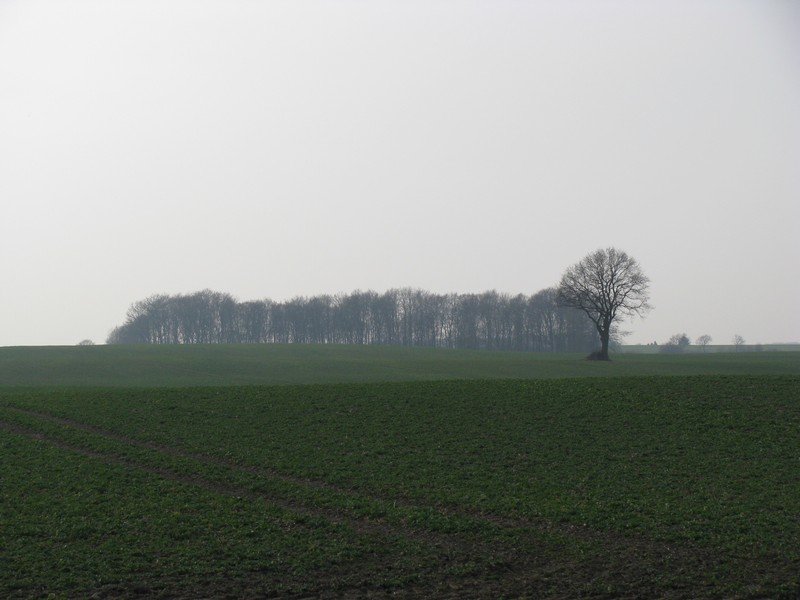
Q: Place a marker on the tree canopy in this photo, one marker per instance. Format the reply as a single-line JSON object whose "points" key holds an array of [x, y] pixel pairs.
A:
{"points": [[607, 285], [408, 317]]}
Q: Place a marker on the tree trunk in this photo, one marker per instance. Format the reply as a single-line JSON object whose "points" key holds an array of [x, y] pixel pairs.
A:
{"points": [[603, 355], [604, 329]]}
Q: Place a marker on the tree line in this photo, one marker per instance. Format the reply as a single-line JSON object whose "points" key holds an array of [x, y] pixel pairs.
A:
{"points": [[406, 317]]}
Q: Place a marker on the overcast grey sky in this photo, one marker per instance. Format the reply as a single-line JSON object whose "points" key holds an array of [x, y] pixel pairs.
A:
{"points": [[274, 149]]}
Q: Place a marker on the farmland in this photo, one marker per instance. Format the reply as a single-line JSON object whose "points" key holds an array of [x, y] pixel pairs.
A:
{"points": [[403, 473], [267, 364]]}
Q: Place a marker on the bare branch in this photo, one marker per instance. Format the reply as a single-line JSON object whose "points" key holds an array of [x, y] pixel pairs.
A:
{"points": [[606, 285]]}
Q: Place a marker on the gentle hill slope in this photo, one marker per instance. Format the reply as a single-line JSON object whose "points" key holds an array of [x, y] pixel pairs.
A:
{"points": [[179, 366]]}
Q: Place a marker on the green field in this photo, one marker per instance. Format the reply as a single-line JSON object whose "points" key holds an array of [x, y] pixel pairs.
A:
{"points": [[710, 349], [266, 364], [390, 472]]}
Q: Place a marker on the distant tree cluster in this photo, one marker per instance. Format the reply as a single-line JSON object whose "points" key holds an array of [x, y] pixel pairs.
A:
{"points": [[680, 341], [407, 317], [677, 343]]}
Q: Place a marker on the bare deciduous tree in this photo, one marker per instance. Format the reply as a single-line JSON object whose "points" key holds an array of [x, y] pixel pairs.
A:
{"points": [[409, 317], [703, 341], [738, 341], [607, 285]]}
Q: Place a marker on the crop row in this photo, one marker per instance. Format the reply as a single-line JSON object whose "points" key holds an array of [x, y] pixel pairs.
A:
{"points": [[679, 486]]}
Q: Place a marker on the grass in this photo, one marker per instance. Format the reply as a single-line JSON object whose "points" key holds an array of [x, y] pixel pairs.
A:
{"points": [[213, 365], [649, 486]]}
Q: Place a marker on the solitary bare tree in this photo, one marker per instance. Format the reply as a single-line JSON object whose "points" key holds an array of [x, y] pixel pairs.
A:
{"points": [[607, 285], [703, 341]]}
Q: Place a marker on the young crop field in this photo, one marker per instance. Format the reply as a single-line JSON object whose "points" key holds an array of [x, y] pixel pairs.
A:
{"points": [[682, 487], [268, 364]]}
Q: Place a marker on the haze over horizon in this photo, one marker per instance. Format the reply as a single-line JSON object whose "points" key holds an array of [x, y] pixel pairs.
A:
{"points": [[297, 148]]}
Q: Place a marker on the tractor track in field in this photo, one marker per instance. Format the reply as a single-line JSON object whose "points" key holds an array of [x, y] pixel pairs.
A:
{"points": [[361, 525], [514, 571], [452, 548], [577, 531], [343, 581]]}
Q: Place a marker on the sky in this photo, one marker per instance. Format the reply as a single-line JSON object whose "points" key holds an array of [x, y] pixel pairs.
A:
{"points": [[277, 149]]}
